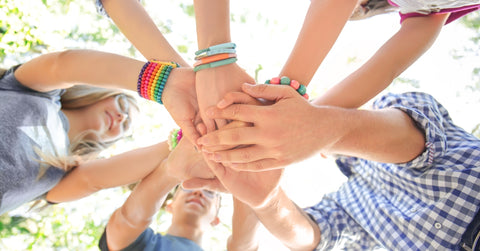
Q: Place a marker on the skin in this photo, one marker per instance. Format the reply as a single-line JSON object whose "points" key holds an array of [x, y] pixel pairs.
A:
{"points": [[376, 134], [102, 117], [213, 27], [143, 33], [313, 132]]}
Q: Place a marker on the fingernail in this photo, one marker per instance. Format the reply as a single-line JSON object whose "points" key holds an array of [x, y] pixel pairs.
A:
{"points": [[217, 157], [222, 103]]}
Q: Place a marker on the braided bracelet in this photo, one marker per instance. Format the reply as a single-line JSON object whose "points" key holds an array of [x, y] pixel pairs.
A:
{"points": [[301, 89], [152, 79], [174, 137]]}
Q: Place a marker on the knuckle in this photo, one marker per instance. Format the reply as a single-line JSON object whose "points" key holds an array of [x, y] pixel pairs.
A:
{"points": [[245, 155], [258, 166], [236, 111], [262, 88]]}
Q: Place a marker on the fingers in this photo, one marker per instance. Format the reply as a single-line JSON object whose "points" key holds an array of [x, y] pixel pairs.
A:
{"points": [[259, 165], [229, 137], [209, 125], [237, 98], [246, 113], [190, 132], [257, 158], [201, 128], [220, 123], [269, 92]]}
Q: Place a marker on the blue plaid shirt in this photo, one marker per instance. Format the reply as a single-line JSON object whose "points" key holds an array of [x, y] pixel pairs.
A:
{"points": [[425, 204]]}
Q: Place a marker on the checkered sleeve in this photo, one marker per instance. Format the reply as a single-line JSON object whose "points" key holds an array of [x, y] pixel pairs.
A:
{"points": [[428, 115], [338, 229]]}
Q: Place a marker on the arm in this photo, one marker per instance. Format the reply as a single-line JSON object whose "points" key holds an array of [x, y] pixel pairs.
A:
{"points": [[288, 223], [59, 70], [213, 27], [65, 69], [244, 228], [323, 23], [118, 170], [386, 135], [135, 23], [130, 220], [412, 40], [260, 193]]}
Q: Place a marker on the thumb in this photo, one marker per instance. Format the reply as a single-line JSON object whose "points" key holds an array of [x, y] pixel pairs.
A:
{"points": [[268, 92], [189, 131]]}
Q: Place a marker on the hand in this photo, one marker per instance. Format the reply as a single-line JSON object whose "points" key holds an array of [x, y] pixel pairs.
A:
{"points": [[180, 100], [239, 97], [282, 133], [184, 162], [212, 84], [252, 188]]}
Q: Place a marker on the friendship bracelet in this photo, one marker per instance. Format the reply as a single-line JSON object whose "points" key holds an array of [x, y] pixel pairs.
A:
{"points": [[218, 46], [174, 137], [301, 89], [215, 64], [152, 79], [214, 58]]}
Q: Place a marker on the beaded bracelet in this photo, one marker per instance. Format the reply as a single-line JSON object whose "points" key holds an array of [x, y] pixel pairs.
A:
{"points": [[301, 89], [174, 137], [152, 79]]}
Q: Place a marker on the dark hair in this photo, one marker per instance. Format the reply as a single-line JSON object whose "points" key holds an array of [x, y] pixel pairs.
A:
{"points": [[2, 72]]}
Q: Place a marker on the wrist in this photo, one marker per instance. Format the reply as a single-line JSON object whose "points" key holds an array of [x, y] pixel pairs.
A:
{"points": [[270, 203]]}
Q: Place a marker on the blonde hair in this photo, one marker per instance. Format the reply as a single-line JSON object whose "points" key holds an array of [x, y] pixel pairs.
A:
{"points": [[83, 147]]}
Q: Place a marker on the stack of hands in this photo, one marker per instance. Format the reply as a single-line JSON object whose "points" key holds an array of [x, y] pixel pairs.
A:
{"points": [[237, 139]]}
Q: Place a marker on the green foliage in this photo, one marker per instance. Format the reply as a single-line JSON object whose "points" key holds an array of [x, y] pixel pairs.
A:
{"points": [[405, 81], [188, 9]]}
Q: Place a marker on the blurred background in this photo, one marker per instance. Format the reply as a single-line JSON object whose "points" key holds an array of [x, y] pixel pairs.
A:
{"points": [[264, 31]]}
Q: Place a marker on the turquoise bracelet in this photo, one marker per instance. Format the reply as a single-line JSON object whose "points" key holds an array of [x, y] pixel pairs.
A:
{"points": [[214, 52], [215, 64], [218, 46]]}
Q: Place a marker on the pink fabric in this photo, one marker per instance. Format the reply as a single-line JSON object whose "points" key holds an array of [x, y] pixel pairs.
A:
{"points": [[455, 13]]}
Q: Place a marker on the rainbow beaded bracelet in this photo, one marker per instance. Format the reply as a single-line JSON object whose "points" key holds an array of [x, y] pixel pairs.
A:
{"points": [[301, 89], [152, 79], [174, 137]]}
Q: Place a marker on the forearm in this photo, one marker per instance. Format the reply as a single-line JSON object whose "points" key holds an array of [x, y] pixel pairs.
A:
{"points": [[317, 36], [244, 228], [140, 29], [118, 170], [64, 69], [136, 214], [386, 135], [212, 22], [288, 223], [414, 38]]}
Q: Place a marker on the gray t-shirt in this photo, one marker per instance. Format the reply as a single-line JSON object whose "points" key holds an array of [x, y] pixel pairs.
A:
{"points": [[29, 119]]}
